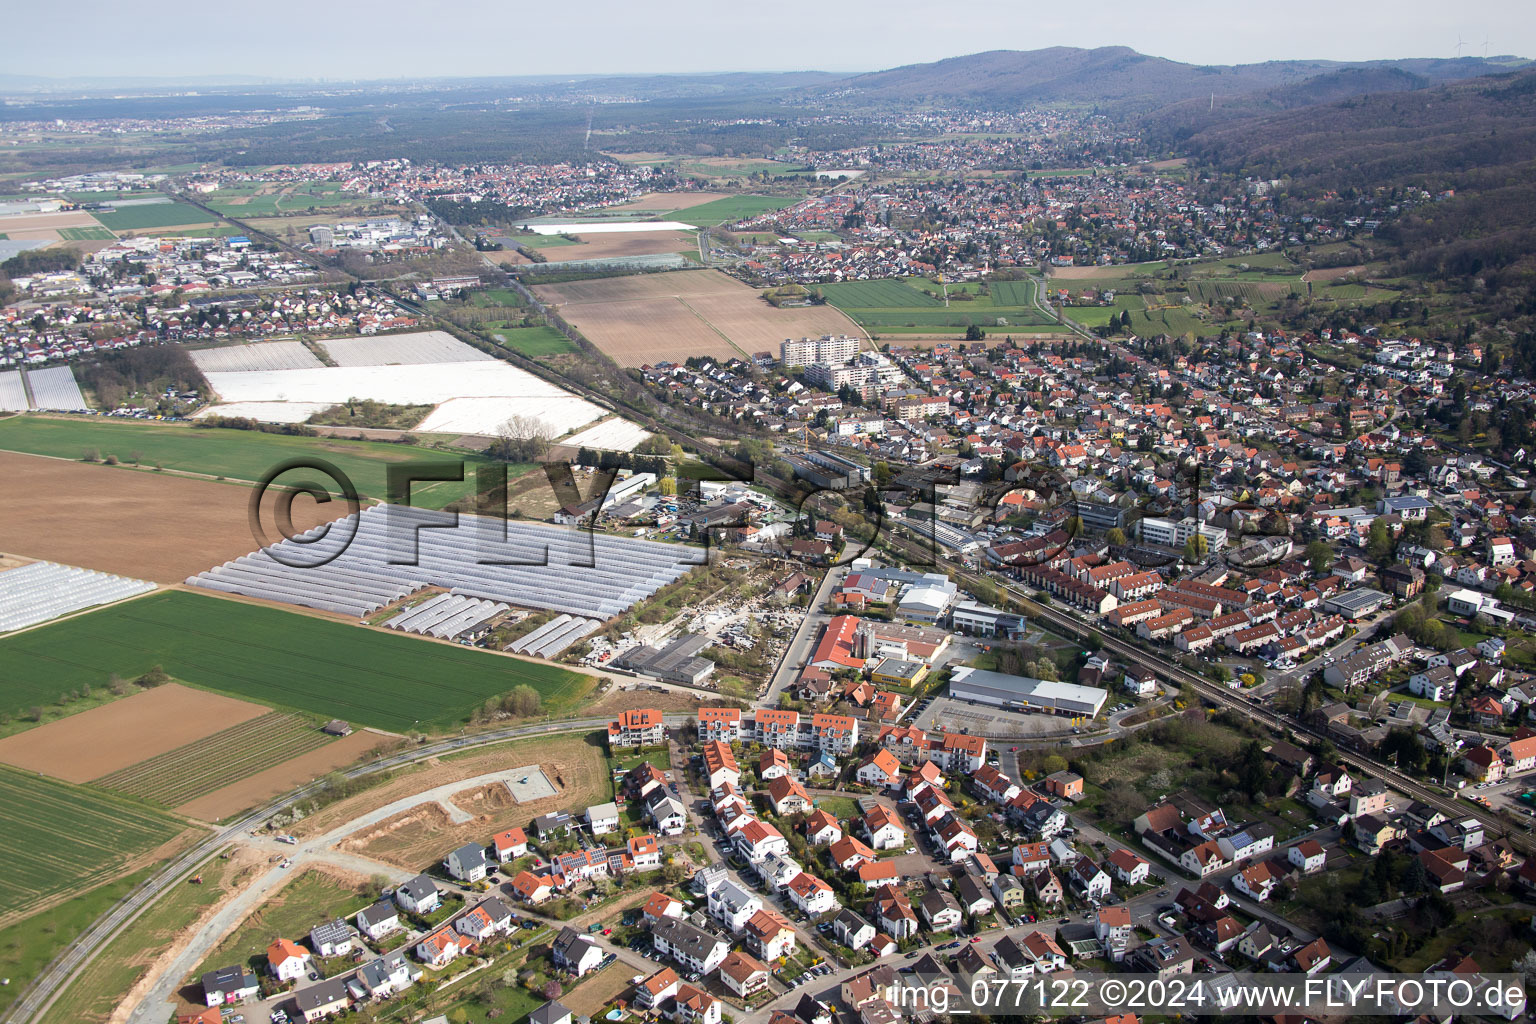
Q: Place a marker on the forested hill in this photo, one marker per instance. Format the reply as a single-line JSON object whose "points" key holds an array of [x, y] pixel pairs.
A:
{"points": [[1119, 80], [1476, 137]]}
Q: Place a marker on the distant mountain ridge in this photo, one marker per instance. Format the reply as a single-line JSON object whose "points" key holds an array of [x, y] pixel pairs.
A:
{"points": [[1120, 80]]}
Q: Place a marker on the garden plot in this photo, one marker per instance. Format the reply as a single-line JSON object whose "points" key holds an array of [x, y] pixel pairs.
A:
{"points": [[412, 349], [266, 355], [499, 390]]}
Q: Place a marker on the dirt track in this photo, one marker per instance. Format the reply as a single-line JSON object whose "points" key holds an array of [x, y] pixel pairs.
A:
{"points": [[141, 524]]}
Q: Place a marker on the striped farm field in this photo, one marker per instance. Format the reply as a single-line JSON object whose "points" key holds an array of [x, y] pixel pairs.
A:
{"points": [[1013, 293], [199, 768], [1256, 293], [58, 836], [876, 294]]}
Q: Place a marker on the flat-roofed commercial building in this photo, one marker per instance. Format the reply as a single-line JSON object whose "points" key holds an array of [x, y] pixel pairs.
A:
{"points": [[1022, 693]]}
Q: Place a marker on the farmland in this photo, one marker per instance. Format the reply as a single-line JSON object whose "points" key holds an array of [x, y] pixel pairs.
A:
{"points": [[731, 209], [103, 833], [88, 507], [27, 946], [97, 988], [280, 658], [116, 736], [651, 317], [614, 245], [199, 768], [85, 235], [158, 215], [916, 305], [247, 201], [534, 342], [232, 454]]}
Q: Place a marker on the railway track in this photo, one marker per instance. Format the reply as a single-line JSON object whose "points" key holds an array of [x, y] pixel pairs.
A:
{"points": [[1221, 696]]}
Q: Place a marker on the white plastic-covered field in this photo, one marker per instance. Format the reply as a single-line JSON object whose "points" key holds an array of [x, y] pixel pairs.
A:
{"points": [[499, 390], [617, 435], [266, 412], [609, 228], [13, 393], [41, 591], [265, 355], [388, 349], [55, 389]]}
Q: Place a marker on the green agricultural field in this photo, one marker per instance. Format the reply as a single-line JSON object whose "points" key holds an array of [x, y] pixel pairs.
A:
{"points": [[160, 215], [206, 231], [242, 203], [86, 234], [1013, 293], [730, 209], [533, 241], [897, 307], [534, 342], [891, 294], [58, 836], [332, 669], [244, 455]]}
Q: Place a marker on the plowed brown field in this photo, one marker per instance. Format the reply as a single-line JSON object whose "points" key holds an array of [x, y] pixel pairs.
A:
{"points": [[111, 737], [650, 317]]}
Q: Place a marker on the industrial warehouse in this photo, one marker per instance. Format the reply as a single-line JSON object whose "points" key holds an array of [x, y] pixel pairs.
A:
{"points": [[1023, 693]]}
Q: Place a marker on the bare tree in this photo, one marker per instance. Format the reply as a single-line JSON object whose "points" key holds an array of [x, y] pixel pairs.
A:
{"points": [[522, 438]]}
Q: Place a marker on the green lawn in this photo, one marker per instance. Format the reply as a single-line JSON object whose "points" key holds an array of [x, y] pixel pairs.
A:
{"points": [[158, 215], [840, 807], [332, 669], [730, 209], [245, 455], [58, 836], [534, 342]]}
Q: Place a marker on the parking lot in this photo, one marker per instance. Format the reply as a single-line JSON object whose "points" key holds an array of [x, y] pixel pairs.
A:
{"points": [[946, 715]]}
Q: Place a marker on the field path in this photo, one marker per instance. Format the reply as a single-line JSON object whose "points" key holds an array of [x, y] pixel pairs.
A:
{"points": [[705, 321]]}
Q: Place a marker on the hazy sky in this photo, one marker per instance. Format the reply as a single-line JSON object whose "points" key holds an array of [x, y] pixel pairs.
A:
{"points": [[393, 38]]}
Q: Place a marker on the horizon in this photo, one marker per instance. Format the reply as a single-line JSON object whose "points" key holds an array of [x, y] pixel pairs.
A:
{"points": [[479, 40]]}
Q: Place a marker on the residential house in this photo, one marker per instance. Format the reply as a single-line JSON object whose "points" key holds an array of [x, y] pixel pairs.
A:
{"points": [[331, 938], [576, 951], [690, 946], [287, 961], [742, 974], [468, 863], [418, 896], [378, 920]]}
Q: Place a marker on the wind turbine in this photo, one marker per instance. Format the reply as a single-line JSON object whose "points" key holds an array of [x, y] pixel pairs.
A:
{"points": [[1485, 46], [1458, 46]]}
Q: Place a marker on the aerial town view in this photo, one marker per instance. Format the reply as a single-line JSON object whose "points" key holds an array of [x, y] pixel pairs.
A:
{"points": [[621, 516]]}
